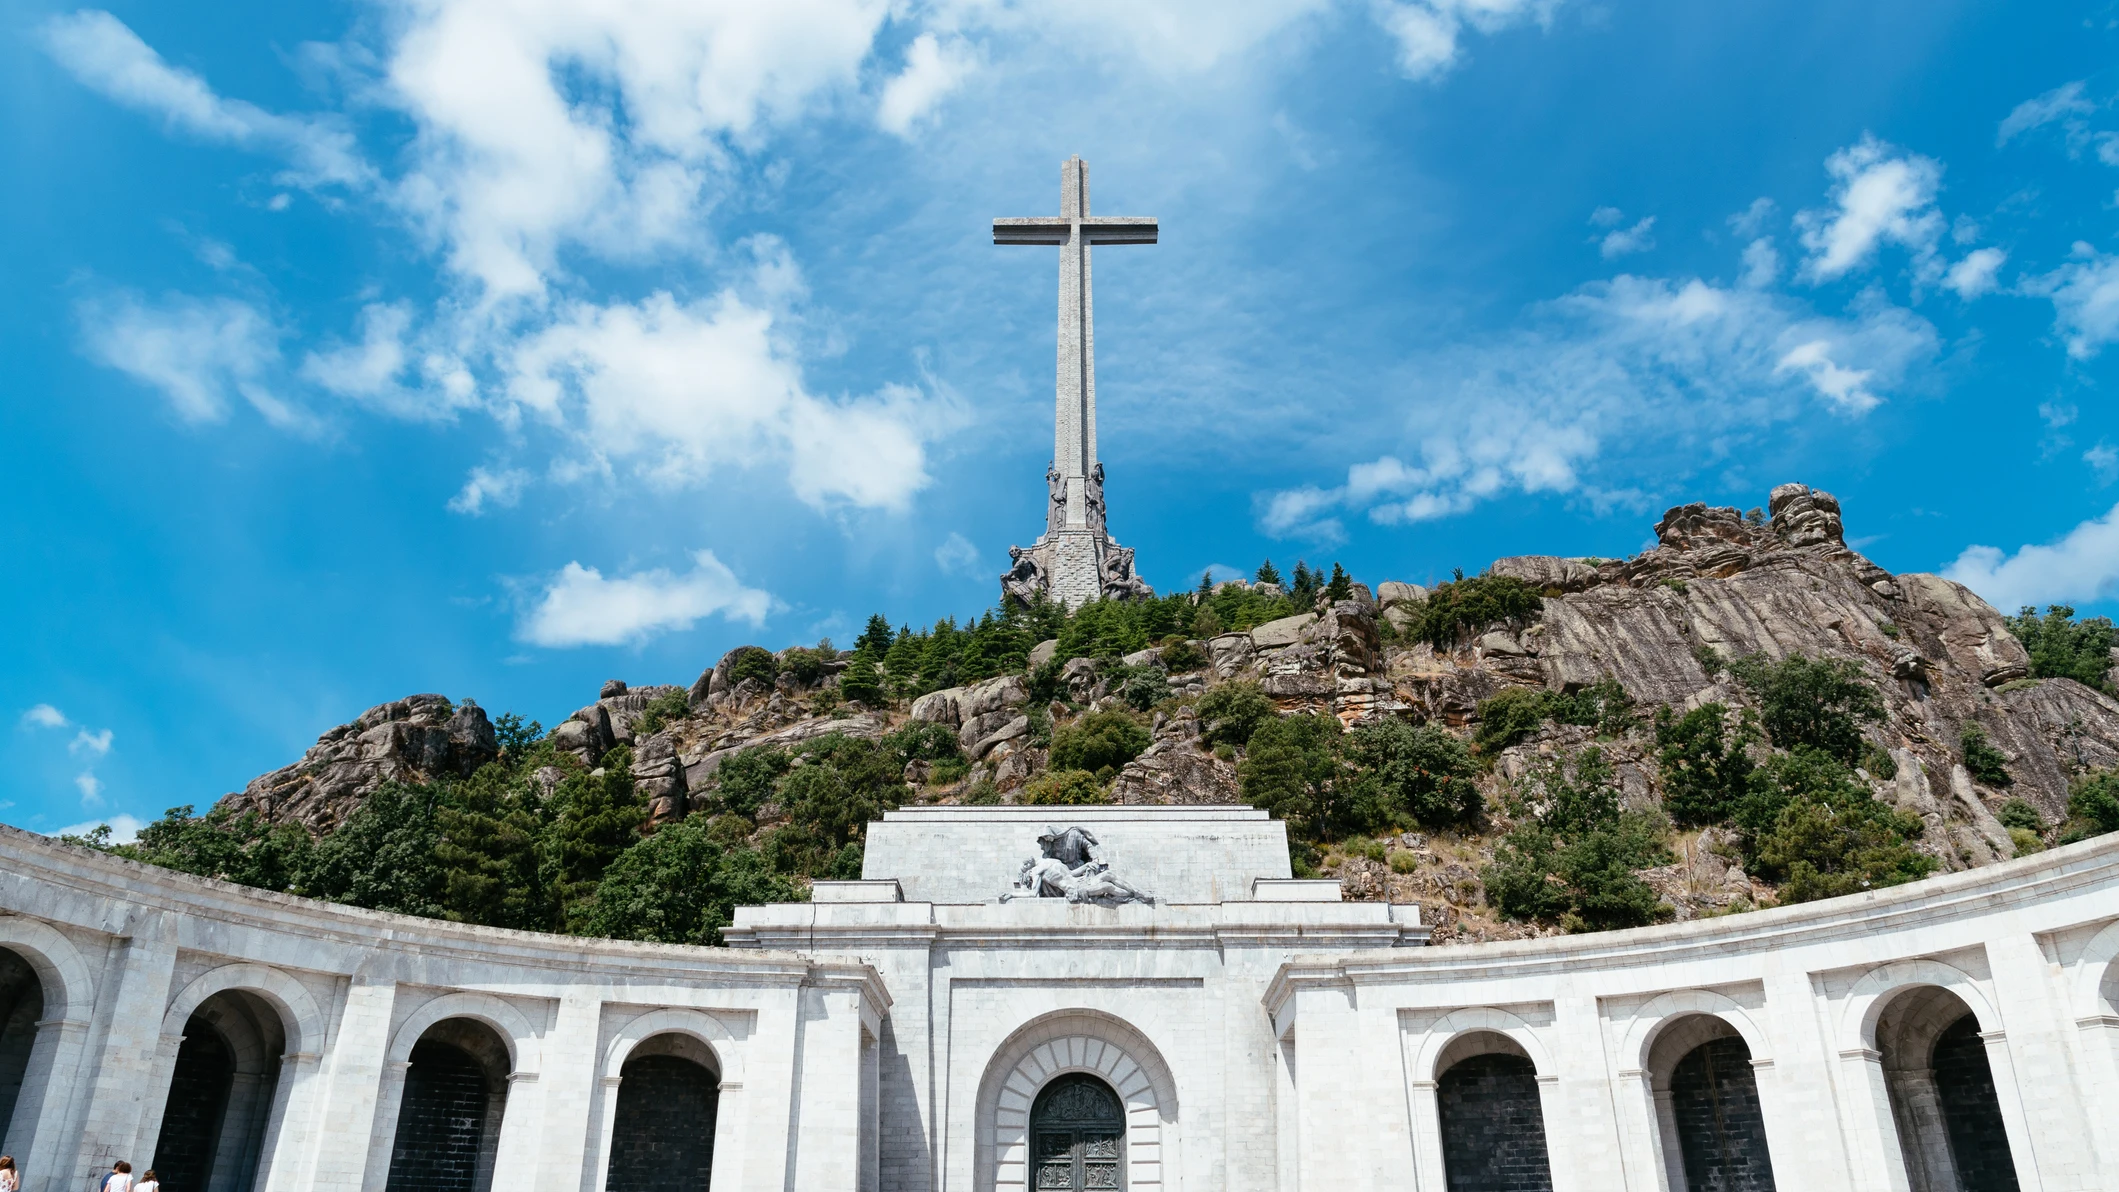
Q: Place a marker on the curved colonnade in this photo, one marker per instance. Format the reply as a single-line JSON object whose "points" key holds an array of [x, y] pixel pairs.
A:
{"points": [[236, 1039], [1959, 1033]]}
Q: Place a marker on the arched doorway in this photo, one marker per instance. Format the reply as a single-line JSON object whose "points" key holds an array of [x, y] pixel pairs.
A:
{"points": [[1721, 1129], [1950, 1129], [1077, 1136], [21, 1006], [1492, 1117], [448, 1122], [220, 1095], [662, 1139]]}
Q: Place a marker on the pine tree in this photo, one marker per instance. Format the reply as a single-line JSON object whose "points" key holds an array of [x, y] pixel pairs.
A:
{"points": [[599, 817], [1341, 587], [1267, 573], [488, 855], [876, 639], [1205, 591], [861, 682], [1305, 586]]}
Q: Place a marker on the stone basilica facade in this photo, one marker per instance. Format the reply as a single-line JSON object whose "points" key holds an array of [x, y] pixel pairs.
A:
{"points": [[1129, 997]]}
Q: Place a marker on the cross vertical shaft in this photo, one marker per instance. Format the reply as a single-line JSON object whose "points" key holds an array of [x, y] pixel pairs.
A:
{"points": [[1083, 560]]}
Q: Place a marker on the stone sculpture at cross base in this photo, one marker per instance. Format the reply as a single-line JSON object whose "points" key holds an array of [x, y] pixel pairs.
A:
{"points": [[1070, 866], [1075, 560]]}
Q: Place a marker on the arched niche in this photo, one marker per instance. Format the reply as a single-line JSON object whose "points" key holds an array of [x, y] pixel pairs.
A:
{"points": [[1938, 1072], [1490, 1115], [450, 1110], [221, 1095], [1068, 1041], [664, 1109]]}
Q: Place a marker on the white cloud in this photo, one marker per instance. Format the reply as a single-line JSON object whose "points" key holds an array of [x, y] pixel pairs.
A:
{"points": [[195, 350], [933, 69], [485, 487], [1606, 217], [549, 123], [1429, 32], [382, 372], [1975, 275], [2058, 104], [957, 556], [110, 58], [2085, 295], [2081, 567], [88, 742], [683, 390], [1847, 388], [91, 788], [2105, 460], [1879, 194], [579, 607], [45, 716], [1762, 264], [1625, 377], [1752, 220], [1622, 241], [124, 829]]}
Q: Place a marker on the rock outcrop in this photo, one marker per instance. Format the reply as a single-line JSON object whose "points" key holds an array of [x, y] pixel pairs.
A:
{"points": [[415, 739]]}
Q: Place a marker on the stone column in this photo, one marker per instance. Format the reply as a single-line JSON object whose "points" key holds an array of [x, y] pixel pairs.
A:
{"points": [[1429, 1172], [292, 1097], [1803, 1137], [1923, 1137], [827, 1147], [112, 1123], [1584, 1136], [2044, 1089], [1869, 1125], [351, 1103], [2097, 1044], [571, 1089], [519, 1146], [44, 1108]]}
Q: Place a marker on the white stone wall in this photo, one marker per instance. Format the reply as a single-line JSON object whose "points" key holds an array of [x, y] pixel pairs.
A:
{"points": [[126, 952], [1257, 1044]]}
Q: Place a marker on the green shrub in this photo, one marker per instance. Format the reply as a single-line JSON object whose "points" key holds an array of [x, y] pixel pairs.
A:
{"points": [[242, 849], [753, 662], [1292, 770], [1507, 718], [806, 665], [2093, 804], [1404, 862], [516, 735], [1982, 761], [1709, 658], [2063, 648], [681, 886], [2026, 842], [747, 780], [661, 712], [1878, 761], [1142, 687], [1230, 712], [1183, 657], [860, 682], [982, 794], [923, 741], [841, 784], [1421, 773], [1572, 859], [1065, 788], [1811, 703], [1705, 768], [1459, 608], [2018, 813], [1098, 740], [1604, 706], [1809, 825]]}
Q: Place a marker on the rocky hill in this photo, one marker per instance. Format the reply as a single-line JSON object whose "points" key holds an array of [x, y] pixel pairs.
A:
{"points": [[1663, 625]]}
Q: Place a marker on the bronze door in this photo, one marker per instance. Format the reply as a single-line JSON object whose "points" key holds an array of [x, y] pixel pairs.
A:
{"points": [[1077, 1136]]}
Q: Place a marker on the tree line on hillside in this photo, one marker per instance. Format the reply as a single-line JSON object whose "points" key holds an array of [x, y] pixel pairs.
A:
{"points": [[538, 841]]}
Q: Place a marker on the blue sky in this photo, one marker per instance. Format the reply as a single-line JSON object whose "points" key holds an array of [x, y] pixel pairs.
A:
{"points": [[499, 347]]}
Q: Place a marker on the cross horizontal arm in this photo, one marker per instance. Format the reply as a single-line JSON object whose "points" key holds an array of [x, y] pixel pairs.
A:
{"points": [[1100, 229]]}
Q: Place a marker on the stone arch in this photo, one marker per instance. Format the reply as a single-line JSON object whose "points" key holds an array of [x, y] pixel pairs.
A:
{"points": [[511, 1024], [2096, 978], [1490, 1114], [1896, 1020], [1668, 1010], [1866, 1002], [1660, 1047], [1078, 1040], [300, 1018], [69, 990], [1480, 1019], [724, 1058]]}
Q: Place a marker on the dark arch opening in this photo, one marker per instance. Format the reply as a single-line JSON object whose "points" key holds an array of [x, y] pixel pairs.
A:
{"points": [[663, 1137], [220, 1095], [1493, 1120], [1721, 1129], [1971, 1110], [198, 1095], [1077, 1136], [448, 1123], [21, 1006]]}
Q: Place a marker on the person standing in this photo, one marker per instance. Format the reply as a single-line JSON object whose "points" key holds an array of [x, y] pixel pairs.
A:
{"points": [[10, 1179], [148, 1182], [120, 1177]]}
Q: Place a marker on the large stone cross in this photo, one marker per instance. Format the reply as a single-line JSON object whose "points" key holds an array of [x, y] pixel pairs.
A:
{"points": [[1074, 405]]}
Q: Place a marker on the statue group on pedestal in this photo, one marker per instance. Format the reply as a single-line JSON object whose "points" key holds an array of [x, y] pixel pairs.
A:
{"points": [[1069, 866]]}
